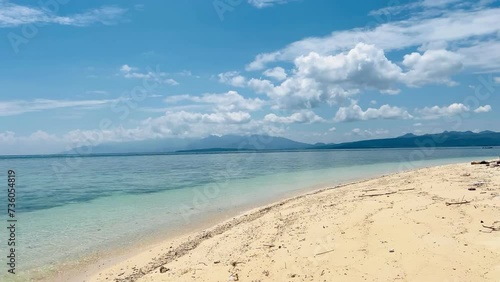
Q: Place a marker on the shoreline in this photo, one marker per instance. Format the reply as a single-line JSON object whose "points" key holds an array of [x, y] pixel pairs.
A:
{"points": [[188, 242], [77, 272]]}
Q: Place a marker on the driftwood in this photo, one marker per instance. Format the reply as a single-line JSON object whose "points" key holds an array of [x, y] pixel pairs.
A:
{"points": [[457, 203], [409, 189], [380, 194], [322, 253], [493, 227]]}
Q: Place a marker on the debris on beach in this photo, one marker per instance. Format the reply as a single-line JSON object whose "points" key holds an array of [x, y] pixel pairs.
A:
{"points": [[163, 269], [233, 277], [494, 227], [494, 163]]}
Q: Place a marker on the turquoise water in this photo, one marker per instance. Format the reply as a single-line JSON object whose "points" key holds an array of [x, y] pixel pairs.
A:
{"points": [[68, 208]]}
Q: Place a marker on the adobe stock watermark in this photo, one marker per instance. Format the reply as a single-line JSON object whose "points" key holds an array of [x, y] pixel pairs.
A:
{"points": [[30, 31], [223, 6], [426, 148], [83, 144]]}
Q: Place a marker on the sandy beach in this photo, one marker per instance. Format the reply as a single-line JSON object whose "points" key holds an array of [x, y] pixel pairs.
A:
{"points": [[431, 224]]}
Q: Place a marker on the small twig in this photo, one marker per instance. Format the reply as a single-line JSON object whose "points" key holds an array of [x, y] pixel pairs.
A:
{"points": [[381, 194], [457, 203], [409, 189], [235, 263], [493, 228], [324, 253]]}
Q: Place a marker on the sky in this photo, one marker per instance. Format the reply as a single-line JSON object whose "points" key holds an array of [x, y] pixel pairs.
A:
{"points": [[82, 73]]}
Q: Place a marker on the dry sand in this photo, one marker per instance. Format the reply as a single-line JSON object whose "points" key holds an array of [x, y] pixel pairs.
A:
{"points": [[392, 228]]}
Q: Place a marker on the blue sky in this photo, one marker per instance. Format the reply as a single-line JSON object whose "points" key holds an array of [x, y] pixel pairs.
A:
{"points": [[79, 73]]}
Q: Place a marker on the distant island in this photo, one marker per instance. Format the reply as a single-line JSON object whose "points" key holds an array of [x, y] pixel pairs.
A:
{"points": [[232, 143]]}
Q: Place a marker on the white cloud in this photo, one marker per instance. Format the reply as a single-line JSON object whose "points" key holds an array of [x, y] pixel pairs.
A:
{"points": [[39, 142], [332, 129], [126, 68], [367, 133], [483, 109], [277, 73], [481, 55], [455, 27], [497, 79], [422, 4], [299, 117], [332, 79], [229, 101], [355, 113], [267, 3], [437, 112], [171, 81], [232, 78], [18, 107], [418, 124], [12, 15], [454, 109], [152, 75], [172, 124], [97, 92], [434, 66]]}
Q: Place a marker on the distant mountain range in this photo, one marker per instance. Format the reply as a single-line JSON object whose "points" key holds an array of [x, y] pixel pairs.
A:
{"points": [[445, 139], [210, 143], [267, 143]]}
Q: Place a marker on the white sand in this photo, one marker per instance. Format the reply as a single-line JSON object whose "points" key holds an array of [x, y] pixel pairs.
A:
{"points": [[351, 233]]}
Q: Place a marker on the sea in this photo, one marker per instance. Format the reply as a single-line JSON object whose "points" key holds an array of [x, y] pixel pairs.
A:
{"points": [[73, 209]]}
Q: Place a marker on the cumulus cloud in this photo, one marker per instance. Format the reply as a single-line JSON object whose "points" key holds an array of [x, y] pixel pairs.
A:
{"points": [[277, 73], [232, 78], [299, 117], [437, 112], [434, 66], [177, 124], [460, 28], [332, 79], [356, 113], [454, 109], [229, 101], [483, 109], [39, 142]]}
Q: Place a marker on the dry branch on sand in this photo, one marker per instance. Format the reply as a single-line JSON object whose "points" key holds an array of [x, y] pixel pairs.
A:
{"points": [[495, 227], [380, 194], [457, 203]]}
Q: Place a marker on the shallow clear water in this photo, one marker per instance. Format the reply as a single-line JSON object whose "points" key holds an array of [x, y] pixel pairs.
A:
{"points": [[70, 207]]}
